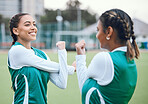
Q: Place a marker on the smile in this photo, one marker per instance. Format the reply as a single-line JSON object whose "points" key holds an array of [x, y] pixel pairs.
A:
{"points": [[32, 34]]}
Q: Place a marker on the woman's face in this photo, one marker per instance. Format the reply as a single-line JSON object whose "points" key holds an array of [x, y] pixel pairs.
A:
{"points": [[101, 36], [26, 29]]}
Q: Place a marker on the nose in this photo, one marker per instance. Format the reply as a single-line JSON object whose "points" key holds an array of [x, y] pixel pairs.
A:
{"points": [[33, 27], [96, 35]]}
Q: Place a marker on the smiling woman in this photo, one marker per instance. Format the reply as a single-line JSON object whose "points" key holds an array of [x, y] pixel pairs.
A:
{"points": [[26, 31], [31, 68]]}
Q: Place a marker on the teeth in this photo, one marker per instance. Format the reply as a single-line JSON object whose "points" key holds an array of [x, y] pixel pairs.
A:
{"points": [[33, 33]]}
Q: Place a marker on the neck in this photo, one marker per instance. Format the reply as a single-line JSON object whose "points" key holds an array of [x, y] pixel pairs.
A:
{"points": [[115, 42], [112, 47], [25, 44]]}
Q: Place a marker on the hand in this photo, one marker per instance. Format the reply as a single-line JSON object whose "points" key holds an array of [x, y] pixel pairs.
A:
{"points": [[60, 45], [80, 47], [74, 65]]}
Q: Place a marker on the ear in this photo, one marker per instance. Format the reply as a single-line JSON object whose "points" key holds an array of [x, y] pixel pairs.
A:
{"points": [[15, 31], [109, 31]]}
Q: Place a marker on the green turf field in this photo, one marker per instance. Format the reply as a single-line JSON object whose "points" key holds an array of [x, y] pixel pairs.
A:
{"points": [[71, 95]]}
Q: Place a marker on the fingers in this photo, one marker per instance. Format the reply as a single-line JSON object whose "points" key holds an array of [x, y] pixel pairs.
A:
{"points": [[80, 47], [74, 65], [80, 44], [60, 45]]}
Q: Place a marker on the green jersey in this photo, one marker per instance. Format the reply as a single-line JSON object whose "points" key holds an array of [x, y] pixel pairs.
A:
{"points": [[29, 83], [119, 90]]}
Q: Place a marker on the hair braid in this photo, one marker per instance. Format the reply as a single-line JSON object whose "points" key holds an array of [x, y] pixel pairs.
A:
{"points": [[127, 34], [123, 24], [137, 53]]}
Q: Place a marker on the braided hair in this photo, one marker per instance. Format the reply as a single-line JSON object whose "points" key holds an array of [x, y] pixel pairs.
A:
{"points": [[13, 23], [123, 24]]}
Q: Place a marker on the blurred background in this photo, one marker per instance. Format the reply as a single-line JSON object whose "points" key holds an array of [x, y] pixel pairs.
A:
{"points": [[70, 20]]}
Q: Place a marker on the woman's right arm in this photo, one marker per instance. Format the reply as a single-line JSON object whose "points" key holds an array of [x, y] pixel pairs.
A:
{"points": [[100, 69], [81, 63], [19, 57]]}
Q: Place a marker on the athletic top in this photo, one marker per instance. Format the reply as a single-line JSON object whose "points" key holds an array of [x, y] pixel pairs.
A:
{"points": [[31, 69], [109, 79]]}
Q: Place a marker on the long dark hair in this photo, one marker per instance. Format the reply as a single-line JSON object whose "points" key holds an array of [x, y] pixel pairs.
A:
{"points": [[14, 21], [123, 24]]}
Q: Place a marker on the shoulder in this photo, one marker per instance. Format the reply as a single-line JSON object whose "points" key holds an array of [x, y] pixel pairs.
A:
{"points": [[40, 52], [102, 56], [101, 59], [104, 68], [17, 50]]}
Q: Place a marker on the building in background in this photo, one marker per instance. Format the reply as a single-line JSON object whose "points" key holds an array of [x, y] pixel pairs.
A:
{"points": [[10, 7]]}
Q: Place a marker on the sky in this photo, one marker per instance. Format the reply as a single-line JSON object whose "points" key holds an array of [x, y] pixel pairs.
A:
{"points": [[135, 8]]}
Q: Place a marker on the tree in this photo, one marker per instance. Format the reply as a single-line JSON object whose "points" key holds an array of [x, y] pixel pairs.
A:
{"points": [[73, 5], [50, 16], [0, 18], [69, 14]]}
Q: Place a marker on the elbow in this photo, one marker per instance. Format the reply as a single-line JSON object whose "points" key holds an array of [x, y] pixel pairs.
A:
{"points": [[63, 86]]}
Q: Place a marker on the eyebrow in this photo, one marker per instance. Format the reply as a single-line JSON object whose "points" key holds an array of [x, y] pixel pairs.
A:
{"points": [[28, 22]]}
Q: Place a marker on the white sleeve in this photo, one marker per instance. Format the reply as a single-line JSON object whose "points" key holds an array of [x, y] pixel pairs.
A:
{"points": [[70, 68], [81, 69], [19, 56], [101, 69], [60, 78]]}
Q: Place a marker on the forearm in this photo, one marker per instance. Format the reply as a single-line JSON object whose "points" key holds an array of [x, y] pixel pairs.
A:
{"points": [[60, 78], [81, 70], [71, 70]]}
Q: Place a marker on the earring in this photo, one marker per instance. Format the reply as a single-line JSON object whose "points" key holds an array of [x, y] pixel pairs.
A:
{"points": [[107, 38]]}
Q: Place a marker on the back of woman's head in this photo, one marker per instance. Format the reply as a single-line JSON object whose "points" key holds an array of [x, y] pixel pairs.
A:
{"points": [[14, 21], [123, 24]]}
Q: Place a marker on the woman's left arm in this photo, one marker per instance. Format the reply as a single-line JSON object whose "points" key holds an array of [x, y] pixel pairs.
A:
{"points": [[70, 69], [60, 78]]}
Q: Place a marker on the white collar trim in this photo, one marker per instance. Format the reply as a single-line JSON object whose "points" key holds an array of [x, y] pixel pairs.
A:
{"points": [[124, 49]]}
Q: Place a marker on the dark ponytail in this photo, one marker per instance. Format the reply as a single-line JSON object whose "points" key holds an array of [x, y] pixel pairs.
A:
{"points": [[14, 21], [123, 24]]}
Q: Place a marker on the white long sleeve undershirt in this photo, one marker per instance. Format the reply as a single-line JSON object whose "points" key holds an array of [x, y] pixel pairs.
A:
{"points": [[101, 68], [19, 57]]}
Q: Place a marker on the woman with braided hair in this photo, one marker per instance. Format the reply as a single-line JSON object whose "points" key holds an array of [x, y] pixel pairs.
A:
{"points": [[111, 76]]}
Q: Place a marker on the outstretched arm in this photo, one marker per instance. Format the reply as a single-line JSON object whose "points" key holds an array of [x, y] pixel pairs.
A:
{"points": [[19, 57]]}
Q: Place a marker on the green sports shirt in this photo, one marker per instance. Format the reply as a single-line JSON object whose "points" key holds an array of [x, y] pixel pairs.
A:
{"points": [[30, 72], [119, 90], [30, 84]]}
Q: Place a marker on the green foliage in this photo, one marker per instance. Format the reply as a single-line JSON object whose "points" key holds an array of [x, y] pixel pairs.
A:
{"points": [[50, 16], [69, 14], [73, 4], [1, 18]]}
